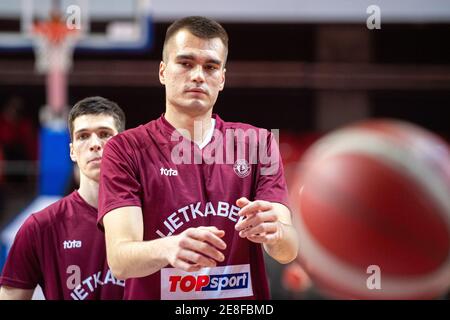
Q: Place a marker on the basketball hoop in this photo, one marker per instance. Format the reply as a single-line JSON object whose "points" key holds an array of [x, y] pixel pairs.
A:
{"points": [[53, 45]]}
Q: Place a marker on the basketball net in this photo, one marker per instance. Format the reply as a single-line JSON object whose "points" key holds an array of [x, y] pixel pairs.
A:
{"points": [[53, 46]]}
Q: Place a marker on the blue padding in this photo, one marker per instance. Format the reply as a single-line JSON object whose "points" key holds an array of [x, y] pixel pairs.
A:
{"points": [[55, 166], [105, 45], [98, 44], [2, 255]]}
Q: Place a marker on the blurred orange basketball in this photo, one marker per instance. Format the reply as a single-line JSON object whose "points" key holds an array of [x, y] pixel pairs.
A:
{"points": [[373, 212]]}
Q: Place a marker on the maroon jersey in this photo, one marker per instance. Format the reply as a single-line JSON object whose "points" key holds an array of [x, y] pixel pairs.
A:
{"points": [[61, 249], [138, 169]]}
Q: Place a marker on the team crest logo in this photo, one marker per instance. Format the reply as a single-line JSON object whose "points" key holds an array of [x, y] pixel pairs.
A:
{"points": [[241, 168]]}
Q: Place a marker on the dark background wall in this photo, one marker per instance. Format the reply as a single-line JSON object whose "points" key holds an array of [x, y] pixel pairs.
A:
{"points": [[326, 55]]}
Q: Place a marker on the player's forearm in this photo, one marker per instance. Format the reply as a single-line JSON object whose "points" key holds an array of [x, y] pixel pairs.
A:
{"points": [[135, 259], [10, 293], [286, 248]]}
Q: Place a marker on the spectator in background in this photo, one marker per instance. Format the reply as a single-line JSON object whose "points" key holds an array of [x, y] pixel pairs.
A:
{"points": [[17, 133], [2, 200]]}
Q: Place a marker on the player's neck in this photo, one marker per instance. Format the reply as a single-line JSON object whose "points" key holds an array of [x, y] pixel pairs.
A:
{"points": [[89, 191], [197, 125]]}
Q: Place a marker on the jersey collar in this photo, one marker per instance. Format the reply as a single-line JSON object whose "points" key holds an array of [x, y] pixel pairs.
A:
{"points": [[168, 129]]}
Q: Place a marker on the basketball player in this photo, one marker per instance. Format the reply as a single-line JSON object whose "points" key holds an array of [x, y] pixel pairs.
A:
{"points": [[60, 248], [176, 230]]}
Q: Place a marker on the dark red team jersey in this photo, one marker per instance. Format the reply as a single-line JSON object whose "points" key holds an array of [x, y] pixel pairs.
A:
{"points": [[138, 169], [61, 249]]}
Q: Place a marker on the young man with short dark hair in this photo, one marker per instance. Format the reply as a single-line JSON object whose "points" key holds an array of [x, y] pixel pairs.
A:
{"points": [[181, 221], [60, 248]]}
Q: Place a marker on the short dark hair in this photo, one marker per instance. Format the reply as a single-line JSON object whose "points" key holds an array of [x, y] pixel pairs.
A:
{"points": [[201, 27], [97, 105]]}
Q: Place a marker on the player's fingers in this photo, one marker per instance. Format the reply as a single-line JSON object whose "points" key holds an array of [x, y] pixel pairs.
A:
{"points": [[217, 232], [258, 218], [257, 238], [208, 236], [185, 266], [264, 238], [196, 258], [241, 202], [254, 207], [202, 247], [266, 228]]}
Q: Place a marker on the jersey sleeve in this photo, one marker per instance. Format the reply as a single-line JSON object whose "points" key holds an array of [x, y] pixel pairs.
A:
{"points": [[271, 183], [22, 268], [119, 182]]}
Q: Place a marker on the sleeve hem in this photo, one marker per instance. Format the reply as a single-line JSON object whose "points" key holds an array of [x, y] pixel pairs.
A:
{"points": [[116, 205], [4, 281]]}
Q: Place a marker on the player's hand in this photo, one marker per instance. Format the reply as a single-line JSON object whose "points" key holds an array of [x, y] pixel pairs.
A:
{"points": [[261, 224], [197, 248]]}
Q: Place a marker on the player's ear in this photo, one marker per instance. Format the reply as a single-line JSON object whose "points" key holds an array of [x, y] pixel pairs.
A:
{"points": [[72, 153], [162, 69], [222, 83]]}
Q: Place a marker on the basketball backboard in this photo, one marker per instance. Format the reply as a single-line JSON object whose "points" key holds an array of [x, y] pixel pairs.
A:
{"points": [[105, 25]]}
